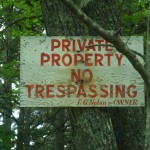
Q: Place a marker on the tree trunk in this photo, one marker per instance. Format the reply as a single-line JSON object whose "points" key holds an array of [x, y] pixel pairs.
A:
{"points": [[147, 133], [129, 127], [147, 138], [19, 143], [93, 126], [59, 134], [6, 95], [26, 130], [94, 130]]}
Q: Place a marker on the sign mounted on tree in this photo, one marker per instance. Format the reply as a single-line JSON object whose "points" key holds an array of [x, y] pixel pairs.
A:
{"points": [[78, 72]]}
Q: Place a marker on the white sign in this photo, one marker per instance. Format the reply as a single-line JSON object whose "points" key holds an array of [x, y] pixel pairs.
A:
{"points": [[78, 72]]}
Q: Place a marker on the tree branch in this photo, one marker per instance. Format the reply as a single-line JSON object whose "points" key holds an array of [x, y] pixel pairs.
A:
{"points": [[110, 37], [139, 54], [51, 118], [19, 20], [110, 45]]}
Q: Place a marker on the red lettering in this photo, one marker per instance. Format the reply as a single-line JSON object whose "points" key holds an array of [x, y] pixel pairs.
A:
{"points": [[87, 59], [78, 58], [111, 91], [90, 43], [81, 91], [104, 90], [73, 45], [98, 59], [29, 89], [44, 58], [48, 91], [60, 88], [120, 91], [65, 45], [99, 42], [92, 88], [81, 46], [119, 58], [108, 58], [71, 90], [75, 76], [107, 48], [131, 94], [64, 58], [54, 46], [55, 59], [39, 91], [90, 74]]}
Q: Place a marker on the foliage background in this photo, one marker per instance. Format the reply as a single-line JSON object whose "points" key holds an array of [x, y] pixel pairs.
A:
{"points": [[42, 128]]}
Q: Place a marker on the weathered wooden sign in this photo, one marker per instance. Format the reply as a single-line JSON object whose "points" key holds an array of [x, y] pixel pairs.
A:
{"points": [[78, 72]]}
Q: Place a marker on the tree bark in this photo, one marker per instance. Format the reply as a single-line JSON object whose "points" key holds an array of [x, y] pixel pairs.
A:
{"points": [[60, 128], [129, 127], [94, 130], [88, 128], [19, 143], [147, 133], [92, 125], [147, 138]]}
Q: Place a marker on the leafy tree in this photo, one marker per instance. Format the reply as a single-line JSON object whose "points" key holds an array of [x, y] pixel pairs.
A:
{"points": [[69, 128]]}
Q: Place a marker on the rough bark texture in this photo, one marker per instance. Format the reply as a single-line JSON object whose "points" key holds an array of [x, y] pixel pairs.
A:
{"points": [[94, 130], [7, 112], [147, 141], [129, 127], [147, 133], [93, 126], [59, 135], [26, 130], [19, 143]]}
